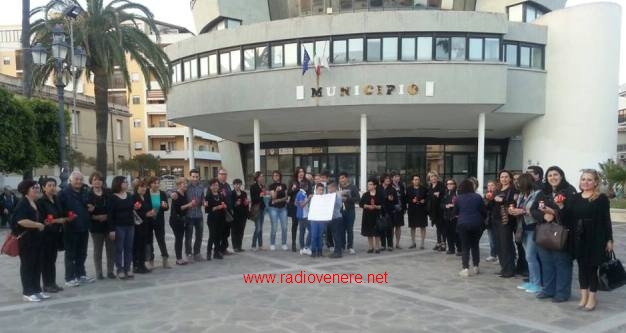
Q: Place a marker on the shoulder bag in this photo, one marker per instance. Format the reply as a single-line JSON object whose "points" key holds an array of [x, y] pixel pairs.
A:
{"points": [[11, 245], [551, 236], [611, 274]]}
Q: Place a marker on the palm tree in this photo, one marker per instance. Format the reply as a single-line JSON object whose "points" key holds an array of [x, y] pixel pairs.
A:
{"points": [[27, 59], [108, 34]]}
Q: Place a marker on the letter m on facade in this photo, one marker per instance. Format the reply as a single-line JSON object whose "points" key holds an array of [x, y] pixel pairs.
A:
{"points": [[316, 92]]}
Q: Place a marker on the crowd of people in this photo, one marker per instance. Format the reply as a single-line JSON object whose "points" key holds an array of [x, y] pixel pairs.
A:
{"points": [[125, 220]]}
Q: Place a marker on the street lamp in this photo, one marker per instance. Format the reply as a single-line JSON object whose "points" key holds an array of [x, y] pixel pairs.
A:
{"points": [[59, 52]]}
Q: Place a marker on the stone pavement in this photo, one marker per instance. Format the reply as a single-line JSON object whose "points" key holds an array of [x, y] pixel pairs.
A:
{"points": [[423, 293]]}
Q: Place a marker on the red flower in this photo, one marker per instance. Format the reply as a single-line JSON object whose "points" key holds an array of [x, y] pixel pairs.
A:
{"points": [[560, 198], [49, 218], [489, 196]]}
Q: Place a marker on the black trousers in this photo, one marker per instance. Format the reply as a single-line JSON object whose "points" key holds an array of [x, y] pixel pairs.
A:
{"points": [[294, 231], [453, 238], [328, 235], [49, 258], [506, 247], [178, 227], [225, 234], [30, 262], [216, 236], [157, 230], [386, 235], [237, 230], [75, 244], [470, 238], [442, 229], [587, 275], [140, 244]]}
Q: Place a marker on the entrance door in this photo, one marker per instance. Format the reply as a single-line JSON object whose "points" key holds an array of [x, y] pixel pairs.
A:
{"points": [[460, 165], [349, 163], [312, 164]]}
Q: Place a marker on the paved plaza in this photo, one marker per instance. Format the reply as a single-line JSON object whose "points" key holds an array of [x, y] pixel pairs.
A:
{"points": [[423, 293]]}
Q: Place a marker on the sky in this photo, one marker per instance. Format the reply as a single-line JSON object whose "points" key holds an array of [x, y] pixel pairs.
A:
{"points": [[178, 12]]}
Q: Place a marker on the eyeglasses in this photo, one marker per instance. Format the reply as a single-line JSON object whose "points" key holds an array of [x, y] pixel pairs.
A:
{"points": [[451, 184]]}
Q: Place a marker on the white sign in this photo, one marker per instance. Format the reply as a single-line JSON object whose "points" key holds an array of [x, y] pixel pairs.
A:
{"points": [[322, 206]]}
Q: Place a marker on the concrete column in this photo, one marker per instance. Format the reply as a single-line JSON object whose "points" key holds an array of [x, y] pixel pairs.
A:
{"points": [[257, 146], [480, 156], [363, 177], [192, 159]]}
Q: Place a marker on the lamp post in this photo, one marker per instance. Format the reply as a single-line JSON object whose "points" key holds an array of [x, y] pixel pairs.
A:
{"points": [[59, 52]]}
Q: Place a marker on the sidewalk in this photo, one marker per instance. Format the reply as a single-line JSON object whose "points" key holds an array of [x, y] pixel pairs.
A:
{"points": [[424, 294]]}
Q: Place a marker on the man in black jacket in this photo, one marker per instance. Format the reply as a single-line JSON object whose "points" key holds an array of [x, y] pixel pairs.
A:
{"points": [[350, 196], [73, 200], [226, 192]]}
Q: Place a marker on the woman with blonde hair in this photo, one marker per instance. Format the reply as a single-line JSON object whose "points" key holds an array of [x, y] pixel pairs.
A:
{"points": [[590, 210]]}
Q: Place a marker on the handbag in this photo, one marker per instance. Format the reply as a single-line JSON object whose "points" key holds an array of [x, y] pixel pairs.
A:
{"points": [[11, 245], [255, 210], [383, 222], [229, 216], [551, 236], [611, 274]]}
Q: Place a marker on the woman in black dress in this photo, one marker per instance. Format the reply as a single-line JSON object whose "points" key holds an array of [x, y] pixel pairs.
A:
{"points": [[590, 210], [50, 214], [29, 229], [240, 214], [416, 202], [390, 204], [143, 208], [503, 223], [433, 202], [371, 202], [97, 203]]}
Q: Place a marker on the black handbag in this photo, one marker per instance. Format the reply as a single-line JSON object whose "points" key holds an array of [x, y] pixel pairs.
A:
{"points": [[551, 236], [611, 274], [383, 222]]}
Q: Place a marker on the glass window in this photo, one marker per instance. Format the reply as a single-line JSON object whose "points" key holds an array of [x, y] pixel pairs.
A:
{"points": [[355, 49], [176, 73], [224, 62], [187, 70], [322, 48], [424, 48], [531, 13], [442, 51], [235, 61], [360, 4], [492, 49], [213, 64], [524, 56], [194, 68], [309, 49], [340, 54], [376, 4], [277, 56], [476, 49], [373, 49], [390, 49], [262, 57], [516, 13], [408, 49], [232, 23], [290, 54], [204, 66], [248, 60], [458, 48], [536, 61], [346, 5], [511, 54]]}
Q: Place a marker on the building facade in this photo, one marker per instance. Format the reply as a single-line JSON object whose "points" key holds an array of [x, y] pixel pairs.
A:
{"points": [[462, 87], [621, 129]]}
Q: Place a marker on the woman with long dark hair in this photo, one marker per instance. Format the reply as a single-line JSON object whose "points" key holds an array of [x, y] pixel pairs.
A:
{"points": [[447, 206], [215, 207], [433, 202], [98, 205], [471, 212], [50, 213], [503, 222], [556, 265], [299, 181], [257, 194], [143, 208], [278, 210], [122, 226], [594, 235]]}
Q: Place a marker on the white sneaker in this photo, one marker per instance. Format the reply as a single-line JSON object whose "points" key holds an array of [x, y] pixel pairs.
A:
{"points": [[229, 250], [72, 283], [254, 249], [285, 248], [87, 279], [301, 251], [42, 295], [272, 247], [307, 251], [352, 251], [490, 259], [31, 298], [464, 273], [475, 270]]}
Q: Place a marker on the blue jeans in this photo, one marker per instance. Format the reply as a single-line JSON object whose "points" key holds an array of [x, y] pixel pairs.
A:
{"points": [[534, 269], [305, 225], [316, 236], [258, 229], [276, 215], [124, 236], [557, 273], [348, 222], [492, 243], [338, 232]]}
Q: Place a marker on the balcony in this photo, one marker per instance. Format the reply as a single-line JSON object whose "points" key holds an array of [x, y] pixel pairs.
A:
{"points": [[156, 109], [184, 155], [166, 131]]}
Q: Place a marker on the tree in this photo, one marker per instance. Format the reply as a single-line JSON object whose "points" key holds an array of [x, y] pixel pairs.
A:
{"points": [[143, 164], [614, 174], [47, 131], [27, 59], [107, 33], [17, 134]]}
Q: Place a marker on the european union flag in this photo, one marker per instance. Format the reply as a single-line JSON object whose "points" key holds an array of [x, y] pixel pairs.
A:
{"points": [[305, 62]]}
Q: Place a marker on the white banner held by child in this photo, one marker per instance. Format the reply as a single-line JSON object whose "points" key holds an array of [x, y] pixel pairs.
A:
{"points": [[322, 206]]}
